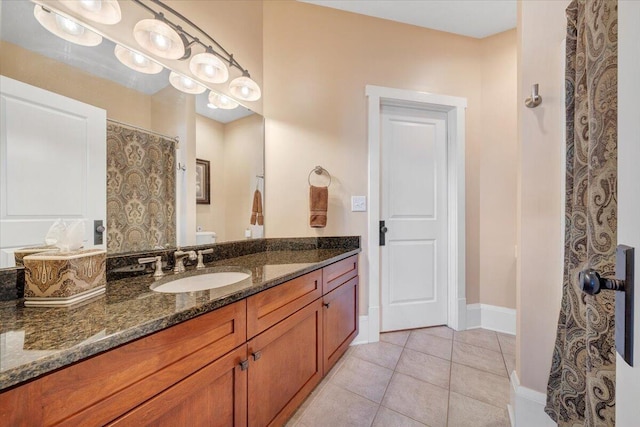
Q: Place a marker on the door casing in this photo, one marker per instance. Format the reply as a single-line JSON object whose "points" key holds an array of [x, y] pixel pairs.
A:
{"points": [[455, 108]]}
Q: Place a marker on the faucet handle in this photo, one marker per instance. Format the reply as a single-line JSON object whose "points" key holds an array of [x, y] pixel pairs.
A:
{"points": [[201, 258], [157, 260]]}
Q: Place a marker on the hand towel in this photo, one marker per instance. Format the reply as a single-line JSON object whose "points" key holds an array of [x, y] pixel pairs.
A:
{"points": [[318, 203], [256, 210]]}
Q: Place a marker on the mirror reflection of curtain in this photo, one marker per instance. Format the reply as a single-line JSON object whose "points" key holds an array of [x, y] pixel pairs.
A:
{"points": [[141, 190], [581, 388]]}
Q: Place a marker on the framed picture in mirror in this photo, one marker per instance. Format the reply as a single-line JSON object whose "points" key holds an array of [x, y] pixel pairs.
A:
{"points": [[203, 184]]}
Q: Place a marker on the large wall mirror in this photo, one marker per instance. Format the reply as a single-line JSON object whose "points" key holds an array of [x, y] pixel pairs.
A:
{"points": [[231, 141]]}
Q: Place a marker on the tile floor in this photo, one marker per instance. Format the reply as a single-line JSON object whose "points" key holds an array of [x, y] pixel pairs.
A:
{"points": [[424, 377]]}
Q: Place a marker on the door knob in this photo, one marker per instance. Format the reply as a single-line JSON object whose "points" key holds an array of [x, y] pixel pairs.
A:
{"points": [[100, 228], [591, 283], [383, 230]]}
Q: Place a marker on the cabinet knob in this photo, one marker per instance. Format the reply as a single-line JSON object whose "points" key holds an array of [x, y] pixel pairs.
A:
{"points": [[326, 304], [256, 355], [244, 365]]}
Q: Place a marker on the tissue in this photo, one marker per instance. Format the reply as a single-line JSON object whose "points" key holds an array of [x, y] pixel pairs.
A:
{"points": [[66, 236]]}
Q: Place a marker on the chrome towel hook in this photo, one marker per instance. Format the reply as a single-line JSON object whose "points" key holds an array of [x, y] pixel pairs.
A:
{"points": [[535, 99]]}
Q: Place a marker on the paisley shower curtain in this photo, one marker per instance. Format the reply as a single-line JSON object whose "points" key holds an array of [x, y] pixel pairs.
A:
{"points": [[141, 190], [581, 387]]}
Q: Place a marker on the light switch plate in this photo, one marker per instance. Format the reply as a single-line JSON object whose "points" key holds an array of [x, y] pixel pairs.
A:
{"points": [[358, 203]]}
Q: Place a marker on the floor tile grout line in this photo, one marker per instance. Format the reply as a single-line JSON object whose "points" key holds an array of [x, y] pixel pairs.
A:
{"points": [[446, 422]]}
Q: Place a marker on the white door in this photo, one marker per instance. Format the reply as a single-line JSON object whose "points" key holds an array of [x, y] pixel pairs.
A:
{"points": [[414, 207], [52, 165]]}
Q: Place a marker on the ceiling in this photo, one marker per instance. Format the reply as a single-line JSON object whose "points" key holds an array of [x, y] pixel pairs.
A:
{"points": [[472, 18]]}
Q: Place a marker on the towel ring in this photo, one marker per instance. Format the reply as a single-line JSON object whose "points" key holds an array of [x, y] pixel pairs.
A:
{"points": [[318, 170]]}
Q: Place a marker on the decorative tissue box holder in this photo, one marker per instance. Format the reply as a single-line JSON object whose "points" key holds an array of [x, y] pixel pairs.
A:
{"points": [[64, 278], [19, 254]]}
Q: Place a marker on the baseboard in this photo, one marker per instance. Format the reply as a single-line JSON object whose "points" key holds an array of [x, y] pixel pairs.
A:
{"points": [[494, 318], [526, 407], [363, 331]]}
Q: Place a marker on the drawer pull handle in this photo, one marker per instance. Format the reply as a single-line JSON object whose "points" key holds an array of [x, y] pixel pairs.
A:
{"points": [[244, 365], [326, 304], [256, 355]]}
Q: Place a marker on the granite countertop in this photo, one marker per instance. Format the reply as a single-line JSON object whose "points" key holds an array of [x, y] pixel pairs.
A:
{"points": [[36, 340]]}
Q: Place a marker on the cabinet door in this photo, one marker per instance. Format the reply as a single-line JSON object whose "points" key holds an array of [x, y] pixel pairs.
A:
{"points": [[340, 321], [214, 396], [285, 364]]}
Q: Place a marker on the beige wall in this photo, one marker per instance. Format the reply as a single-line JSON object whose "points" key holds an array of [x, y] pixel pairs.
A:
{"points": [[243, 159], [316, 115], [210, 146], [236, 153], [498, 171], [541, 174], [121, 104]]}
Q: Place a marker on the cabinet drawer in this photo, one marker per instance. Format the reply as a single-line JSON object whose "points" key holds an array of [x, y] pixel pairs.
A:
{"points": [[340, 321], [338, 273], [99, 389], [271, 306]]}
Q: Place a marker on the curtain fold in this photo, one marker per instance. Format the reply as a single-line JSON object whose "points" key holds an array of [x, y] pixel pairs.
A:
{"points": [[141, 190], [581, 387]]}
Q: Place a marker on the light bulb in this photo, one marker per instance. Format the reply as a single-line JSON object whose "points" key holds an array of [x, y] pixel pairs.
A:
{"points": [[159, 41], [208, 67], [68, 26], [213, 107], [187, 82], [244, 88], [136, 61], [222, 101], [139, 59], [91, 5]]}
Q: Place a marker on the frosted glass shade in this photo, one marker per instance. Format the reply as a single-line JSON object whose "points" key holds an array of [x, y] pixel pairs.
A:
{"points": [[244, 88], [66, 28], [209, 68], [185, 84], [136, 61], [222, 101], [159, 38], [102, 11]]}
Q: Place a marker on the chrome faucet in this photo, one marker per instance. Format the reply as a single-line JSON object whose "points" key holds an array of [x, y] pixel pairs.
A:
{"points": [[157, 260], [179, 257], [201, 258]]}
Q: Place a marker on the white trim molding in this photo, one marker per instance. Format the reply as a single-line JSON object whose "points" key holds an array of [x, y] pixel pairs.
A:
{"points": [[526, 407], [455, 108], [363, 331], [492, 317]]}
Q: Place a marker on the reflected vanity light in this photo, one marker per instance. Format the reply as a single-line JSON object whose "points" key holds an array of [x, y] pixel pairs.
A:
{"points": [[185, 84], [165, 40], [244, 88], [66, 28], [209, 67], [159, 38], [101, 11], [136, 61], [217, 100]]}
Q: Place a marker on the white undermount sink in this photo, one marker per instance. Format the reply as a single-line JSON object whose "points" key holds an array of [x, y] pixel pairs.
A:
{"points": [[200, 282]]}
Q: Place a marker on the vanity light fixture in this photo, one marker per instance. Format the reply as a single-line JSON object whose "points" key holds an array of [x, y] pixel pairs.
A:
{"points": [[136, 61], [102, 11], [185, 84], [65, 28], [217, 100], [157, 37]]}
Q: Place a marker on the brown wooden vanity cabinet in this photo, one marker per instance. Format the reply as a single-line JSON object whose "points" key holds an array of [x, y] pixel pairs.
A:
{"points": [[285, 364], [204, 372], [216, 395]]}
